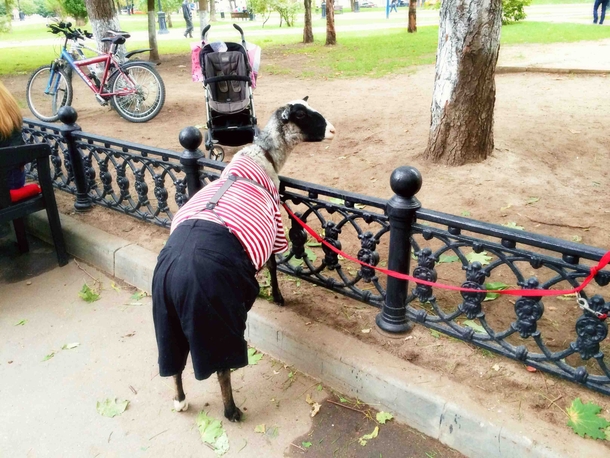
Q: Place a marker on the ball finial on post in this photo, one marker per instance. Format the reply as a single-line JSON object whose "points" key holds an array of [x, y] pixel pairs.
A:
{"points": [[67, 115], [406, 181], [190, 138]]}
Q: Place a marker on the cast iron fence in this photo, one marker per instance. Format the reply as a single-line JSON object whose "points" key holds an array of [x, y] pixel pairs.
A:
{"points": [[150, 184]]}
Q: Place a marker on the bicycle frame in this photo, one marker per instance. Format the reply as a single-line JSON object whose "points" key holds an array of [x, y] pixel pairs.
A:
{"points": [[107, 59]]}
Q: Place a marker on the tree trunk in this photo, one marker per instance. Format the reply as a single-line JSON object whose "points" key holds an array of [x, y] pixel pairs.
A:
{"points": [[331, 35], [203, 15], [152, 32], [103, 16], [461, 128], [213, 11], [412, 16], [168, 15], [307, 29]]}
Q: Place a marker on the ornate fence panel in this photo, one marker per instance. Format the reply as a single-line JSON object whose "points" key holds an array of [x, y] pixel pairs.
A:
{"points": [[151, 184]]}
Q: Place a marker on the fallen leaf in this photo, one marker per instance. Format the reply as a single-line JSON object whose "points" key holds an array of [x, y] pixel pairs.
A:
{"points": [[574, 131], [213, 433], [319, 388], [435, 334], [49, 356], [138, 295], [496, 367], [447, 258], [309, 399], [530, 369], [366, 331], [306, 444], [315, 408], [513, 225], [111, 408], [70, 346], [87, 294], [532, 200], [584, 419], [253, 356], [21, 323], [506, 208], [115, 287], [382, 417], [479, 257], [367, 437], [576, 238], [260, 428]]}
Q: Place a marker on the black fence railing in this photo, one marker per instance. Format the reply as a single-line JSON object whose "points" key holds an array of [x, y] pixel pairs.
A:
{"points": [[552, 334]]}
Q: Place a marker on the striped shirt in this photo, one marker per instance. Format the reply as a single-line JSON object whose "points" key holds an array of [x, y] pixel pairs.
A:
{"points": [[251, 213]]}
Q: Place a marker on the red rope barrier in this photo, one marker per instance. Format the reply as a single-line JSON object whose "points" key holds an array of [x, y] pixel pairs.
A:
{"points": [[510, 292]]}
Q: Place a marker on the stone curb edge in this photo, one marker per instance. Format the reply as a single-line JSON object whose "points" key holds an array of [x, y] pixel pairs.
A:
{"points": [[500, 70], [423, 399]]}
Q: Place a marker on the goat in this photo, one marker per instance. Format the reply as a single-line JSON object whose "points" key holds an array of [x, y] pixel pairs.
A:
{"points": [[202, 287]]}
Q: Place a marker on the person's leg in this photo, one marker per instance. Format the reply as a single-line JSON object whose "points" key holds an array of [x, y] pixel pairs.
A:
{"points": [[595, 7], [603, 15]]}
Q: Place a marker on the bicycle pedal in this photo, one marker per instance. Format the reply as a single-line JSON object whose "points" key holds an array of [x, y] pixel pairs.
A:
{"points": [[103, 102]]}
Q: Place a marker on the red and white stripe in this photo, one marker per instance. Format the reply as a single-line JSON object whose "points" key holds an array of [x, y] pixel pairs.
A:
{"points": [[251, 213]]}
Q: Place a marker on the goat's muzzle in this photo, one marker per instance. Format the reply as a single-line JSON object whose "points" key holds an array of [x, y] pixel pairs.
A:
{"points": [[330, 131]]}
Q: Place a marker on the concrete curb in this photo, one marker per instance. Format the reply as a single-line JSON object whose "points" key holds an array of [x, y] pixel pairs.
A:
{"points": [[572, 71], [425, 400]]}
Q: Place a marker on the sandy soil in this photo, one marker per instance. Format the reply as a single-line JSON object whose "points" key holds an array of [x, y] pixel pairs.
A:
{"points": [[550, 142]]}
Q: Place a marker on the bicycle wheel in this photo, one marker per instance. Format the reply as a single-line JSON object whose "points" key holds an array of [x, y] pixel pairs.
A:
{"points": [[148, 98], [44, 103]]}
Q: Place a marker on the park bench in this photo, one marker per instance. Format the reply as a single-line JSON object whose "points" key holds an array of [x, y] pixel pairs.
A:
{"points": [[241, 15], [338, 9]]}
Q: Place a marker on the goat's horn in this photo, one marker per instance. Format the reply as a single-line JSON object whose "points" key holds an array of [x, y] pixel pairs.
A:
{"points": [[305, 98]]}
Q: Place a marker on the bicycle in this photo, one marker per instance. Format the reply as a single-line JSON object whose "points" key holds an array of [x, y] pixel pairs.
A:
{"points": [[133, 88]]}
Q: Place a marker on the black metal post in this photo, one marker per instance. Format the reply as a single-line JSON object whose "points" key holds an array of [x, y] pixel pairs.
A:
{"points": [[162, 25], [405, 182], [190, 138], [68, 116]]}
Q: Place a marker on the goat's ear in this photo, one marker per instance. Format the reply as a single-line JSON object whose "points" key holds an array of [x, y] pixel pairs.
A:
{"points": [[285, 116], [306, 98]]}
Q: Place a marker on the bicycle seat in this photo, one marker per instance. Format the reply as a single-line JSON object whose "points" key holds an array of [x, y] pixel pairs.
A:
{"points": [[118, 40]]}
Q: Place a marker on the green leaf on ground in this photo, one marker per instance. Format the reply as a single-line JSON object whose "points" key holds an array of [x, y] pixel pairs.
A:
{"points": [[465, 213], [584, 419], [532, 200], [576, 238], [306, 444], [477, 327], [479, 257], [138, 295], [70, 346], [319, 388], [253, 356], [111, 407], [273, 432], [382, 417], [342, 399], [115, 287], [49, 356], [435, 334], [260, 428], [513, 225], [87, 294], [446, 258], [21, 323], [335, 200], [213, 433], [494, 286], [367, 437]]}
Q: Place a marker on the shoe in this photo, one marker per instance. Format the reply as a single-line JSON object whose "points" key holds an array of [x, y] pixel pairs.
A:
{"points": [[235, 84], [223, 86]]}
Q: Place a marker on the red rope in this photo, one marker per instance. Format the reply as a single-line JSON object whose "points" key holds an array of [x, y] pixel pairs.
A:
{"points": [[511, 292]]}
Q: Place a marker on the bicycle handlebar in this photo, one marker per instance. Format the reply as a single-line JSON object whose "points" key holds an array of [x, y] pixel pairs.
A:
{"points": [[68, 31]]}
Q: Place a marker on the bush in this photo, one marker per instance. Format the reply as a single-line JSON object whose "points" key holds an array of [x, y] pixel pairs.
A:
{"points": [[513, 10]]}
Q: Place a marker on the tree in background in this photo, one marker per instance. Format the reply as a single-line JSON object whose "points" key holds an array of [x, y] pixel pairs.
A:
{"points": [[6, 16], [331, 35], [513, 10], [461, 128], [103, 16], [203, 15], [412, 16], [262, 8], [287, 10], [77, 10], [307, 28], [152, 32]]}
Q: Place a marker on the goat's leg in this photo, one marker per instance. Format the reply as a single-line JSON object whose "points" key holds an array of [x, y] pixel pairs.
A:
{"points": [[232, 413], [275, 287], [180, 403]]}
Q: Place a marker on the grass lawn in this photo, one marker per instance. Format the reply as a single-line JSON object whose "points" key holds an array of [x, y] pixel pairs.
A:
{"points": [[372, 53]]}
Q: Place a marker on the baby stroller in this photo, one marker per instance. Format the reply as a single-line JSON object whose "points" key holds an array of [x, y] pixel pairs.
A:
{"points": [[228, 79]]}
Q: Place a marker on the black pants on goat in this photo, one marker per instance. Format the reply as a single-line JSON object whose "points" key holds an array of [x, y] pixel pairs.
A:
{"points": [[203, 287]]}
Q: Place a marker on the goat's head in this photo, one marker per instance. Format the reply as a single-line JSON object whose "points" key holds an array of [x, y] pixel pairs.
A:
{"points": [[312, 125]]}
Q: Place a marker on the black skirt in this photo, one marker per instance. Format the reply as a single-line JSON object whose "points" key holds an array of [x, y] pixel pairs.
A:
{"points": [[203, 286]]}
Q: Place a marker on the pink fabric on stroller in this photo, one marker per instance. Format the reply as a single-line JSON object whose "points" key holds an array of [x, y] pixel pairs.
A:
{"points": [[254, 56]]}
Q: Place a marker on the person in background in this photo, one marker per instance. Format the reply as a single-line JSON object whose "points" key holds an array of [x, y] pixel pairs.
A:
{"points": [[10, 133], [596, 5], [393, 6], [186, 11]]}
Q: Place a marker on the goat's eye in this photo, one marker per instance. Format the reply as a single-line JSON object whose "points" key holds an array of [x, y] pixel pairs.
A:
{"points": [[300, 114]]}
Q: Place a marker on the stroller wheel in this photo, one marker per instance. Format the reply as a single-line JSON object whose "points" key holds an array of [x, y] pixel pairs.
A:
{"points": [[217, 153]]}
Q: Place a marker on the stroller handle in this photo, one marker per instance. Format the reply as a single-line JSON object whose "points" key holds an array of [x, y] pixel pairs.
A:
{"points": [[205, 31], [239, 29]]}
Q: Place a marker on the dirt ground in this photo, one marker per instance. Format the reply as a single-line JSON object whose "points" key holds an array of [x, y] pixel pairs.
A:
{"points": [[550, 143]]}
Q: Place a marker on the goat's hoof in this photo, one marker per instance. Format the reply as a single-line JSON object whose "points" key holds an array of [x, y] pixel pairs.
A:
{"points": [[279, 300], [233, 415], [180, 406]]}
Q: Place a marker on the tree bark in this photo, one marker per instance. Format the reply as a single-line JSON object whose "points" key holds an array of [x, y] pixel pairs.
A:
{"points": [[307, 29], [203, 15], [461, 128], [213, 11], [152, 32], [412, 16], [331, 35], [103, 16]]}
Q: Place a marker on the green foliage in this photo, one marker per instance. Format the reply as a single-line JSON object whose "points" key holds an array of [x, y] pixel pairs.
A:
{"points": [[382, 417], [87, 294], [213, 433], [253, 356], [287, 10], [494, 286], [513, 10], [76, 9], [584, 419]]}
